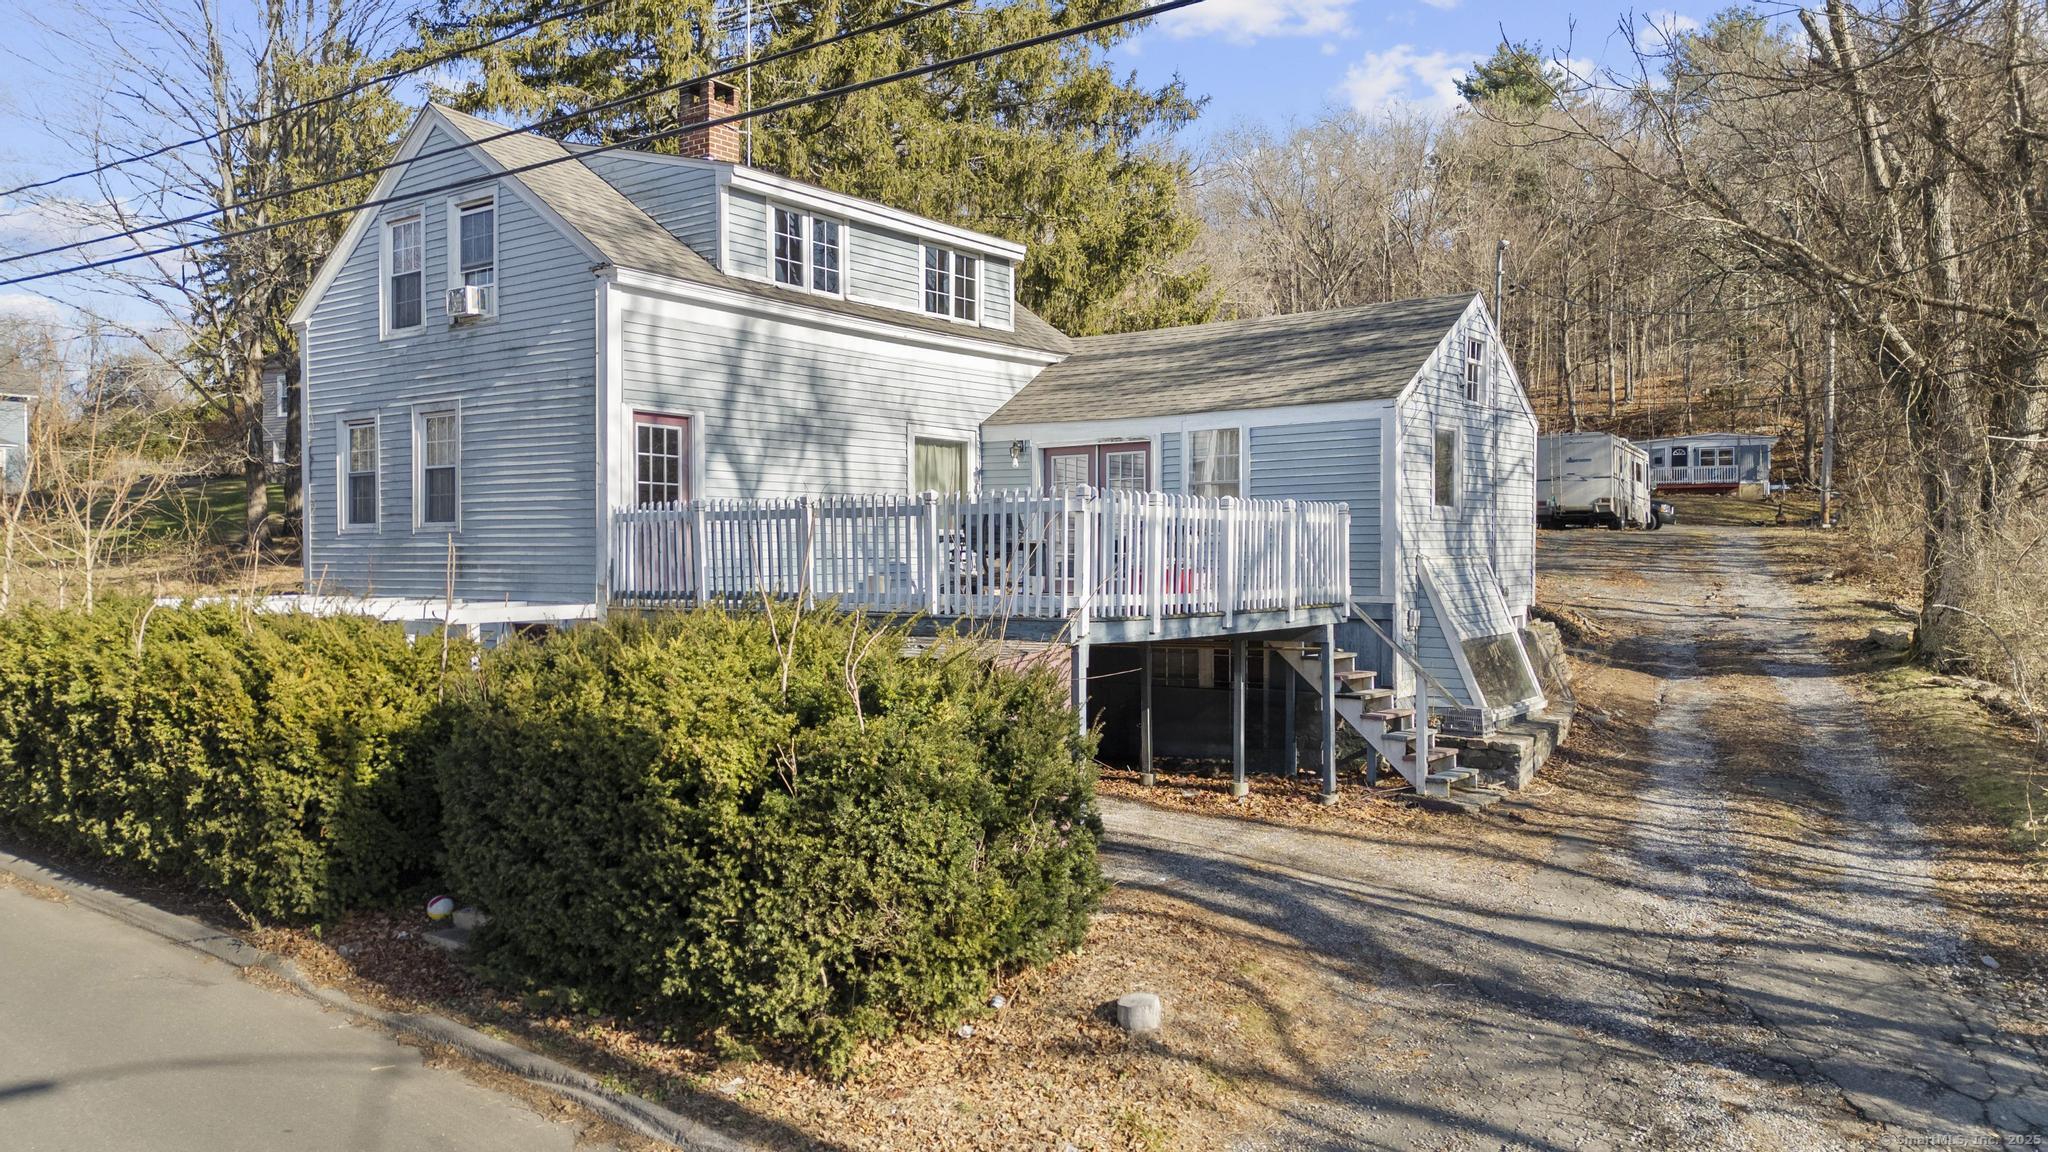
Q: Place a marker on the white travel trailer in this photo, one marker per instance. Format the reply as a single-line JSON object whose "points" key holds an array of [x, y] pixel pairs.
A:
{"points": [[1592, 478]]}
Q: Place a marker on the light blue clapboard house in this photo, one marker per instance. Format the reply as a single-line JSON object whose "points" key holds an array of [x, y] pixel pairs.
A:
{"points": [[13, 441], [541, 383]]}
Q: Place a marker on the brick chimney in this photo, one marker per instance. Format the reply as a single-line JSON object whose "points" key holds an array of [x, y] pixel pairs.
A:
{"points": [[706, 100]]}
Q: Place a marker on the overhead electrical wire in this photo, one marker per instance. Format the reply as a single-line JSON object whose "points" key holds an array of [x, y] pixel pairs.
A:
{"points": [[546, 122], [848, 89], [293, 109]]}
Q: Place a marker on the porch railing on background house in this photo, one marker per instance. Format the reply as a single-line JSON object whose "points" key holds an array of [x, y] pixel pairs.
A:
{"points": [[1706, 474], [1081, 555]]}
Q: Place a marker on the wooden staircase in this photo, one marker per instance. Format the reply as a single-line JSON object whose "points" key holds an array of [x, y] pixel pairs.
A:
{"points": [[1392, 733]]}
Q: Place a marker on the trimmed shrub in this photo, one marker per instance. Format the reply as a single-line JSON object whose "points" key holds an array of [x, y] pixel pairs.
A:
{"points": [[269, 758], [699, 819]]}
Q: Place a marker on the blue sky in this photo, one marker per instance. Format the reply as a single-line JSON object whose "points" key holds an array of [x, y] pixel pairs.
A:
{"points": [[1268, 61], [1277, 60]]}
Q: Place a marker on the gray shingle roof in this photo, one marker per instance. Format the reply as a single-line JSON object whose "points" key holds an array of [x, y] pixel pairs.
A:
{"points": [[630, 238], [1344, 354]]}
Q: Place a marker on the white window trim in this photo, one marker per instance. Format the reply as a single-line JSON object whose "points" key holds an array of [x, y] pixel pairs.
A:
{"points": [[1483, 392], [457, 207], [385, 330], [343, 526], [1244, 458], [809, 216], [420, 411], [969, 441], [693, 451], [924, 250], [1457, 470]]}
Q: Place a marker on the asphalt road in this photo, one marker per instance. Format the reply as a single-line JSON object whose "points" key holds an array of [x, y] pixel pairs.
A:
{"points": [[115, 1040]]}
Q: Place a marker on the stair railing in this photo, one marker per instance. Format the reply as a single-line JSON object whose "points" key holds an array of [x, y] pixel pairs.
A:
{"points": [[1425, 740]]}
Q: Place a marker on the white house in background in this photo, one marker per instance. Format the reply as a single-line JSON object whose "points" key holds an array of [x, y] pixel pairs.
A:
{"points": [[567, 381], [13, 440], [1712, 462]]}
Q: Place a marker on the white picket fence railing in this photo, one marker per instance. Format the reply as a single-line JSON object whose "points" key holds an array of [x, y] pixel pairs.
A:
{"points": [[1698, 474], [1082, 555]]}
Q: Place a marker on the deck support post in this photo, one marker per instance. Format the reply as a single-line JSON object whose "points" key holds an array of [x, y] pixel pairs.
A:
{"points": [[1239, 786], [1266, 750], [1329, 687], [1145, 773], [1293, 734], [1080, 683]]}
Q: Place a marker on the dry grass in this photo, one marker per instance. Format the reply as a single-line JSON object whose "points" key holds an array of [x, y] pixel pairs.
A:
{"points": [[1048, 1070], [1274, 799], [1978, 765]]}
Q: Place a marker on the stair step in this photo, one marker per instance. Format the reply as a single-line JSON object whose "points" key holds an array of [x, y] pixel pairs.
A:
{"points": [[1454, 774], [1436, 755]]}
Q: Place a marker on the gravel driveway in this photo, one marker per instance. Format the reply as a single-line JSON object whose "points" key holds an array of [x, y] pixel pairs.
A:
{"points": [[1717, 929]]}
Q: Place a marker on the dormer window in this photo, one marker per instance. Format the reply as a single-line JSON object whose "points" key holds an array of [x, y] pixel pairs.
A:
{"points": [[807, 251], [951, 283]]}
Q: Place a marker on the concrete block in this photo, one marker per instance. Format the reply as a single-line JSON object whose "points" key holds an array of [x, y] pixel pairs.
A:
{"points": [[1139, 1013]]}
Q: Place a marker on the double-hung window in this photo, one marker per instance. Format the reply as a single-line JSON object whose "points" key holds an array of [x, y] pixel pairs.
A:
{"points": [[807, 251], [477, 249], [437, 436], [359, 474], [952, 283], [403, 250], [1214, 463], [1445, 469], [1475, 371]]}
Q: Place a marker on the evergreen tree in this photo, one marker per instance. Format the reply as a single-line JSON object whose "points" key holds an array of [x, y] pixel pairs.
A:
{"points": [[1516, 79], [1046, 146]]}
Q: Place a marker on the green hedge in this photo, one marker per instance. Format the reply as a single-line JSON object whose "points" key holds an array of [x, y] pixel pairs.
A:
{"points": [[694, 818], [658, 824], [277, 760]]}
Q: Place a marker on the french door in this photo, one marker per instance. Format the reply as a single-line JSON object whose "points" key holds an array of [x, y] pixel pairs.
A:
{"points": [[661, 460], [1118, 466], [1122, 466]]}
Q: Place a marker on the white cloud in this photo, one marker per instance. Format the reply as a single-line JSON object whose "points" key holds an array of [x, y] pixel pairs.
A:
{"points": [[39, 224], [1442, 5], [30, 306], [1403, 77], [1244, 21]]}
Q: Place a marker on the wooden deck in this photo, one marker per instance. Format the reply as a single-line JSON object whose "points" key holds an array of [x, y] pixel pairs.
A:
{"points": [[1107, 566]]}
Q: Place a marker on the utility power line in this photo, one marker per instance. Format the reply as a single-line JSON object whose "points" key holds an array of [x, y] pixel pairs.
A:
{"points": [[848, 89], [291, 109], [547, 122]]}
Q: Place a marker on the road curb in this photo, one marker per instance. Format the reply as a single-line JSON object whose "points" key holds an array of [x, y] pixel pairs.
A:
{"points": [[643, 1117]]}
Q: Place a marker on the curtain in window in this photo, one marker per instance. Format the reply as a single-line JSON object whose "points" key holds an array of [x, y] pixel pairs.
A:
{"points": [[1213, 468], [941, 466]]}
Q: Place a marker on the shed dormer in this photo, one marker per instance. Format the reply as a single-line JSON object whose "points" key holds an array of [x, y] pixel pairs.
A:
{"points": [[813, 241]]}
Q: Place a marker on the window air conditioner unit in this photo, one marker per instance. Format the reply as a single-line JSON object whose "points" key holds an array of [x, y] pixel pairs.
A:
{"points": [[468, 300]]}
